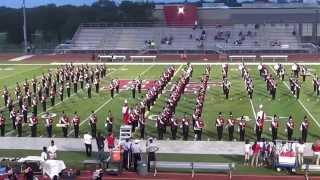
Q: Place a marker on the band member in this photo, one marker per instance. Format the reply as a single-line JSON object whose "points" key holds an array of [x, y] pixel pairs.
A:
{"points": [[259, 128], [19, 121], [117, 85], [76, 123], [10, 103], [20, 101], [139, 85], [33, 121], [198, 126], [219, 125], [34, 85], [230, 125], [304, 129], [61, 89], [49, 122], [52, 97], [225, 69], [111, 87], [160, 127], [297, 88], [185, 127], [44, 103], [242, 128], [109, 122], [282, 72], [93, 124], [39, 90], [2, 124], [64, 121], [25, 112], [68, 89], [5, 95], [34, 106], [81, 80], [142, 123], [295, 70], [96, 83], [226, 87], [26, 86], [125, 112], [290, 127], [274, 127], [88, 86], [13, 116], [303, 73], [250, 89], [174, 127], [315, 83], [273, 88], [75, 84], [133, 89]]}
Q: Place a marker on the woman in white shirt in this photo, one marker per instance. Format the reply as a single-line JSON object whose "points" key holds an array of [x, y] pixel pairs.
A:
{"points": [[300, 150], [52, 150]]}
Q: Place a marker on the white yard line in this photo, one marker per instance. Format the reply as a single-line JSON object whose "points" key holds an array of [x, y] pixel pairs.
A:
{"points": [[65, 99], [253, 110], [300, 102], [107, 102], [21, 58]]}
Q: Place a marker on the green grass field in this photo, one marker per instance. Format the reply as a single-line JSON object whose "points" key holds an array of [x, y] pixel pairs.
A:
{"points": [[239, 103]]}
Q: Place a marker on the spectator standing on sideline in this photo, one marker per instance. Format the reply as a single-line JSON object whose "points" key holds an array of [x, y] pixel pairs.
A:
{"points": [[44, 154], [300, 150], [316, 151], [87, 138], [52, 150], [110, 141], [151, 150], [255, 154], [136, 152], [247, 150], [100, 142], [127, 149]]}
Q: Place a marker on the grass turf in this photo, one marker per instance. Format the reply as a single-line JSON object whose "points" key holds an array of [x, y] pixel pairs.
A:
{"points": [[239, 103]]}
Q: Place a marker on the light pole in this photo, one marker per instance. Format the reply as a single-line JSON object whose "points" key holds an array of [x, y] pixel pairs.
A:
{"points": [[24, 26]]}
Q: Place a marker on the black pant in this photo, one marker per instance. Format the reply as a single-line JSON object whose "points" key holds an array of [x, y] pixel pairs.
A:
{"points": [[2, 128], [65, 131], [44, 107], [13, 122], [89, 93], [274, 133], [185, 132], [231, 130], [160, 133], [219, 131], [61, 97], [198, 134], [136, 158], [304, 134], [76, 131], [49, 131], [142, 131], [290, 132], [88, 149], [52, 101], [112, 93], [75, 87], [174, 133], [93, 130], [19, 128], [34, 131], [126, 159], [258, 133], [68, 92], [133, 93], [151, 157], [35, 110], [97, 88], [242, 134]]}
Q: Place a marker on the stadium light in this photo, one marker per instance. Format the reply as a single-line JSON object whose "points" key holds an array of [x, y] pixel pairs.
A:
{"points": [[24, 26]]}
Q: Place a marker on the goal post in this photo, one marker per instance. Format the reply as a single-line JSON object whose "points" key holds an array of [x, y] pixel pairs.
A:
{"points": [[242, 58], [274, 58]]}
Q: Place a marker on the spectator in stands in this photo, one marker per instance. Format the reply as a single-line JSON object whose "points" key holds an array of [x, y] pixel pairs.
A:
{"points": [[52, 150], [87, 139], [247, 151], [316, 151], [44, 154], [255, 154], [300, 150]]}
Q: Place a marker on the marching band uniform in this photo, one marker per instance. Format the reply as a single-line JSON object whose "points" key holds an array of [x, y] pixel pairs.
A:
{"points": [[231, 123], [20, 101], [315, 83], [49, 122], [33, 121], [139, 85], [109, 122], [18, 123], [160, 127], [111, 87], [117, 85], [61, 89], [304, 129], [226, 87], [68, 89], [89, 90], [198, 129], [5, 96], [44, 103], [185, 128], [141, 125], [174, 128], [297, 89], [290, 127], [303, 73], [34, 106], [52, 97], [274, 127], [13, 116], [75, 84], [242, 128], [25, 112], [65, 123], [10, 104], [2, 124], [125, 113], [259, 128], [219, 125], [93, 124], [133, 89], [96, 83], [76, 123]]}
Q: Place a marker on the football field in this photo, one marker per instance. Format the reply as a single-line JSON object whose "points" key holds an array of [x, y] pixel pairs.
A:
{"points": [[238, 103]]}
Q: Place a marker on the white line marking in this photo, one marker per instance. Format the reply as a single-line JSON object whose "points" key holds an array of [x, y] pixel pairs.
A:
{"points": [[300, 102], [253, 110], [107, 102], [21, 58]]}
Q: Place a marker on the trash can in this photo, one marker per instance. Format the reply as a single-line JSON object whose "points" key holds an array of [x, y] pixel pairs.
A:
{"points": [[142, 169]]}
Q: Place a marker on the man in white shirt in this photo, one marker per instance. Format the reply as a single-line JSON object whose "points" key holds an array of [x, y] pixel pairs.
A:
{"points": [[44, 154], [52, 150], [87, 139], [136, 151]]}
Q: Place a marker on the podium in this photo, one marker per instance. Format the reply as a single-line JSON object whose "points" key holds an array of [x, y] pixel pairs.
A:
{"points": [[125, 132]]}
